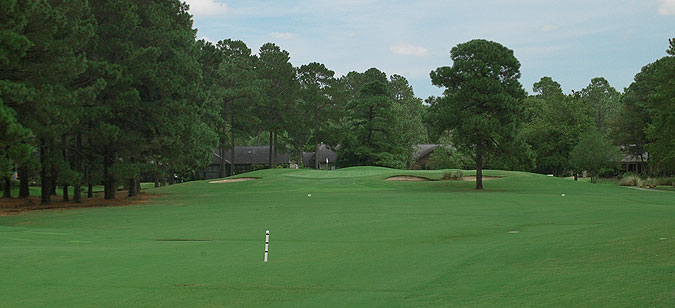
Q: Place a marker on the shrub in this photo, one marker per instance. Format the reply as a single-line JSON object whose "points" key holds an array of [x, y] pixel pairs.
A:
{"points": [[649, 182], [630, 180], [627, 174], [454, 175], [606, 172], [665, 181], [444, 158]]}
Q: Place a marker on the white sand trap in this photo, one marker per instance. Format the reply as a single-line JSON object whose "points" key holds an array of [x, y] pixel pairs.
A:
{"points": [[473, 178], [233, 180], [407, 178]]}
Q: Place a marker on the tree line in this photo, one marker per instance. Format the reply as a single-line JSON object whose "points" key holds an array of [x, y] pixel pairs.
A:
{"points": [[107, 92], [489, 120]]}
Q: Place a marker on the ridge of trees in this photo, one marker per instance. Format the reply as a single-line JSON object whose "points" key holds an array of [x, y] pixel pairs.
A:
{"points": [[112, 92]]}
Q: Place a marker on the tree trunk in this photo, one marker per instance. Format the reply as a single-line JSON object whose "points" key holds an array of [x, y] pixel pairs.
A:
{"points": [[65, 193], [270, 151], [8, 185], [24, 177], [7, 188], [132, 187], [87, 172], [223, 162], [52, 181], [162, 180], [316, 151], [77, 184], [232, 145], [44, 174], [172, 178], [110, 187], [274, 151], [65, 159], [138, 185], [223, 141], [301, 158], [479, 164], [156, 181]]}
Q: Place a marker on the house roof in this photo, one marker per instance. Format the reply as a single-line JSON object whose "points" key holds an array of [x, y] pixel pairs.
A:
{"points": [[246, 155], [422, 150], [630, 158], [308, 158]]}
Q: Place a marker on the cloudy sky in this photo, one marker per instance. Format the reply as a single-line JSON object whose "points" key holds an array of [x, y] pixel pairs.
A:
{"points": [[571, 41]]}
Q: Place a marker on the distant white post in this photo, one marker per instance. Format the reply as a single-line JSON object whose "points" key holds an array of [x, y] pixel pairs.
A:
{"points": [[267, 243]]}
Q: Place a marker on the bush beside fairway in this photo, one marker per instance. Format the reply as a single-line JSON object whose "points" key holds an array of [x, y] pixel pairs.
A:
{"points": [[358, 241]]}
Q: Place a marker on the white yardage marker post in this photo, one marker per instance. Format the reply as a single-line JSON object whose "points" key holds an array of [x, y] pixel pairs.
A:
{"points": [[267, 244]]}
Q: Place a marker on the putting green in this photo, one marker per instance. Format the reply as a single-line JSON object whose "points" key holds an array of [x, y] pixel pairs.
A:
{"points": [[358, 241]]}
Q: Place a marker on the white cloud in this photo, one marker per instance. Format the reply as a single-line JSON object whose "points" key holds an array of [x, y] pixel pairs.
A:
{"points": [[282, 35], [667, 7], [207, 7], [549, 28], [406, 49]]}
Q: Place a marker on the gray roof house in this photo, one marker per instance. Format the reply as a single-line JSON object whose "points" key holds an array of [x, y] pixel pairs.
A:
{"points": [[327, 158], [246, 158]]}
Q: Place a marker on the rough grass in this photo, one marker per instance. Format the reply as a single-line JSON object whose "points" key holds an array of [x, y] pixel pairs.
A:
{"points": [[358, 241], [631, 180]]}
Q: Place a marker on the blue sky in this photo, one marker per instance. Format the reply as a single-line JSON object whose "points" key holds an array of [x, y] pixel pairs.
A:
{"points": [[571, 41]]}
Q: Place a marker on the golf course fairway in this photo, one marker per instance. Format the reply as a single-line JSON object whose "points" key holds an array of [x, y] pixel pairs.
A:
{"points": [[349, 238]]}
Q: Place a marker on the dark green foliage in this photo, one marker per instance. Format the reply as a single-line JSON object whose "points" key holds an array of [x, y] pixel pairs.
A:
{"points": [[593, 153], [661, 107], [373, 131], [447, 157], [410, 114], [645, 121], [554, 123], [100, 88], [318, 107], [279, 88], [602, 103]]}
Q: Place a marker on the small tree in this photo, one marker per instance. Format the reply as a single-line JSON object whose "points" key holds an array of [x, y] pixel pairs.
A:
{"points": [[593, 153]]}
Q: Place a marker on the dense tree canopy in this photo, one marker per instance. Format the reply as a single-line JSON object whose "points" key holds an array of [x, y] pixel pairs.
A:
{"points": [[593, 153], [553, 124], [483, 100], [375, 127], [112, 92]]}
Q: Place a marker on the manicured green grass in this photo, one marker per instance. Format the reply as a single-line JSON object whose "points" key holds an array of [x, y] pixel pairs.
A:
{"points": [[358, 241]]}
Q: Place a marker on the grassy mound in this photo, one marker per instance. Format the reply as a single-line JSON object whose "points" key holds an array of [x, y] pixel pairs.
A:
{"points": [[358, 241]]}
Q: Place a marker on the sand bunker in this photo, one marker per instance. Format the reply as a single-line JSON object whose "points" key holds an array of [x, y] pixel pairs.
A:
{"points": [[473, 178], [407, 178], [233, 180]]}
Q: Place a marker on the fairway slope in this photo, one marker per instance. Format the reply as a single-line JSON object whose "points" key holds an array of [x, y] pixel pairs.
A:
{"points": [[348, 238]]}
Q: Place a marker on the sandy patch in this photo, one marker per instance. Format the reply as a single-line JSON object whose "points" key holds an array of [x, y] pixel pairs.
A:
{"points": [[407, 178], [16, 206], [233, 180], [473, 178], [643, 188]]}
